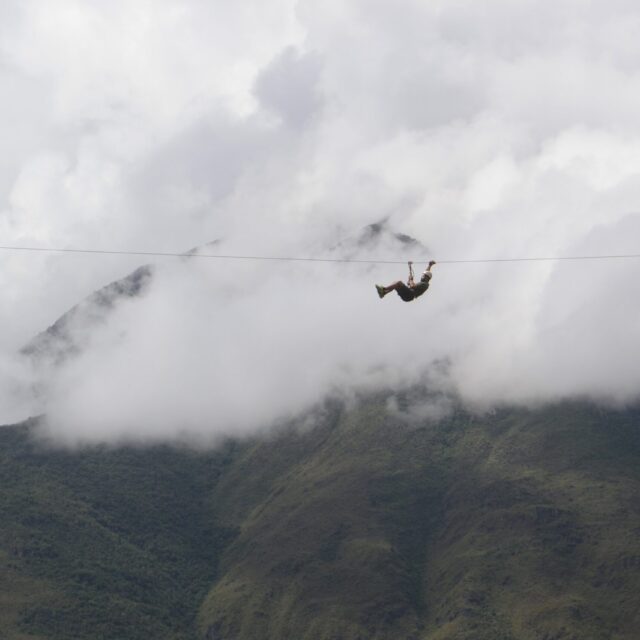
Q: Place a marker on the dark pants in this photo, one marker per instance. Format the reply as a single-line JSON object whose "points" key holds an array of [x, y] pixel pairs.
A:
{"points": [[405, 292]]}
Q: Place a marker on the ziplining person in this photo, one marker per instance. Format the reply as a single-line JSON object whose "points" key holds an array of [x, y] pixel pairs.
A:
{"points": [[411, 290]]}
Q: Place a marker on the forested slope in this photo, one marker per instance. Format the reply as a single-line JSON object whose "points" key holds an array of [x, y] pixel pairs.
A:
{"points": [[363, 523], [520, 524]]}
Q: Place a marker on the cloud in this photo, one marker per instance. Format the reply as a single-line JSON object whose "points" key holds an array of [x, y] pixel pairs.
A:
{"points": [[287, 87], [283, 129]]}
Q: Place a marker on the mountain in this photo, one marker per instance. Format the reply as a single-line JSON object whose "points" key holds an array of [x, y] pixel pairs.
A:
{"points": [[356, 521], [70, 334], [379, 239], [67, 336], [371, 523]]}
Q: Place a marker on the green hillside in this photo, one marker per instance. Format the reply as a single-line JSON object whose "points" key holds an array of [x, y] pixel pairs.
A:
{"points": [[104, 543], [519, 525], [360, 524]]}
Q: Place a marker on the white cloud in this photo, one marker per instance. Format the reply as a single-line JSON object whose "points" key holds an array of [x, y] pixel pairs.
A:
{"points": [[490, 130]]}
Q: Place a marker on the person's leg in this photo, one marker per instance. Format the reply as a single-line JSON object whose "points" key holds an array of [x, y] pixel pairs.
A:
{"points": [[394, 286]]}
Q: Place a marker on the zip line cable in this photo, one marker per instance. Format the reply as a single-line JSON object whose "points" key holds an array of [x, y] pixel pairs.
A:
{"points": [[546, 259], [294, 259]]}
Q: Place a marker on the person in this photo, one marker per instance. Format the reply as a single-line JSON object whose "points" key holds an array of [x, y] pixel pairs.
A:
{"points": [[411, 290]]}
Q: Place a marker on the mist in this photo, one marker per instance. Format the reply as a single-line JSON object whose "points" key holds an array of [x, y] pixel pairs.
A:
{"points": [[283, 130]]}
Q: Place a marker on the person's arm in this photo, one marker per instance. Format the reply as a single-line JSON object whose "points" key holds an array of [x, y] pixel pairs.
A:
{"points": [[424, 276], [410, 281]]}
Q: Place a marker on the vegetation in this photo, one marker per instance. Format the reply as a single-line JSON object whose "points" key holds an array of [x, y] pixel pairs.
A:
{"points": [[104, 543], [516, 525], [520, 524]]}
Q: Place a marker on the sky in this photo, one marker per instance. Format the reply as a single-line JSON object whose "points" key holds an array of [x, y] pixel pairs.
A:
{"points": [[284, 128]]}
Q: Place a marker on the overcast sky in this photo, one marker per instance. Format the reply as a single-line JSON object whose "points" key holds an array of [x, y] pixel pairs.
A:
{"points": [[484, 130]]}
